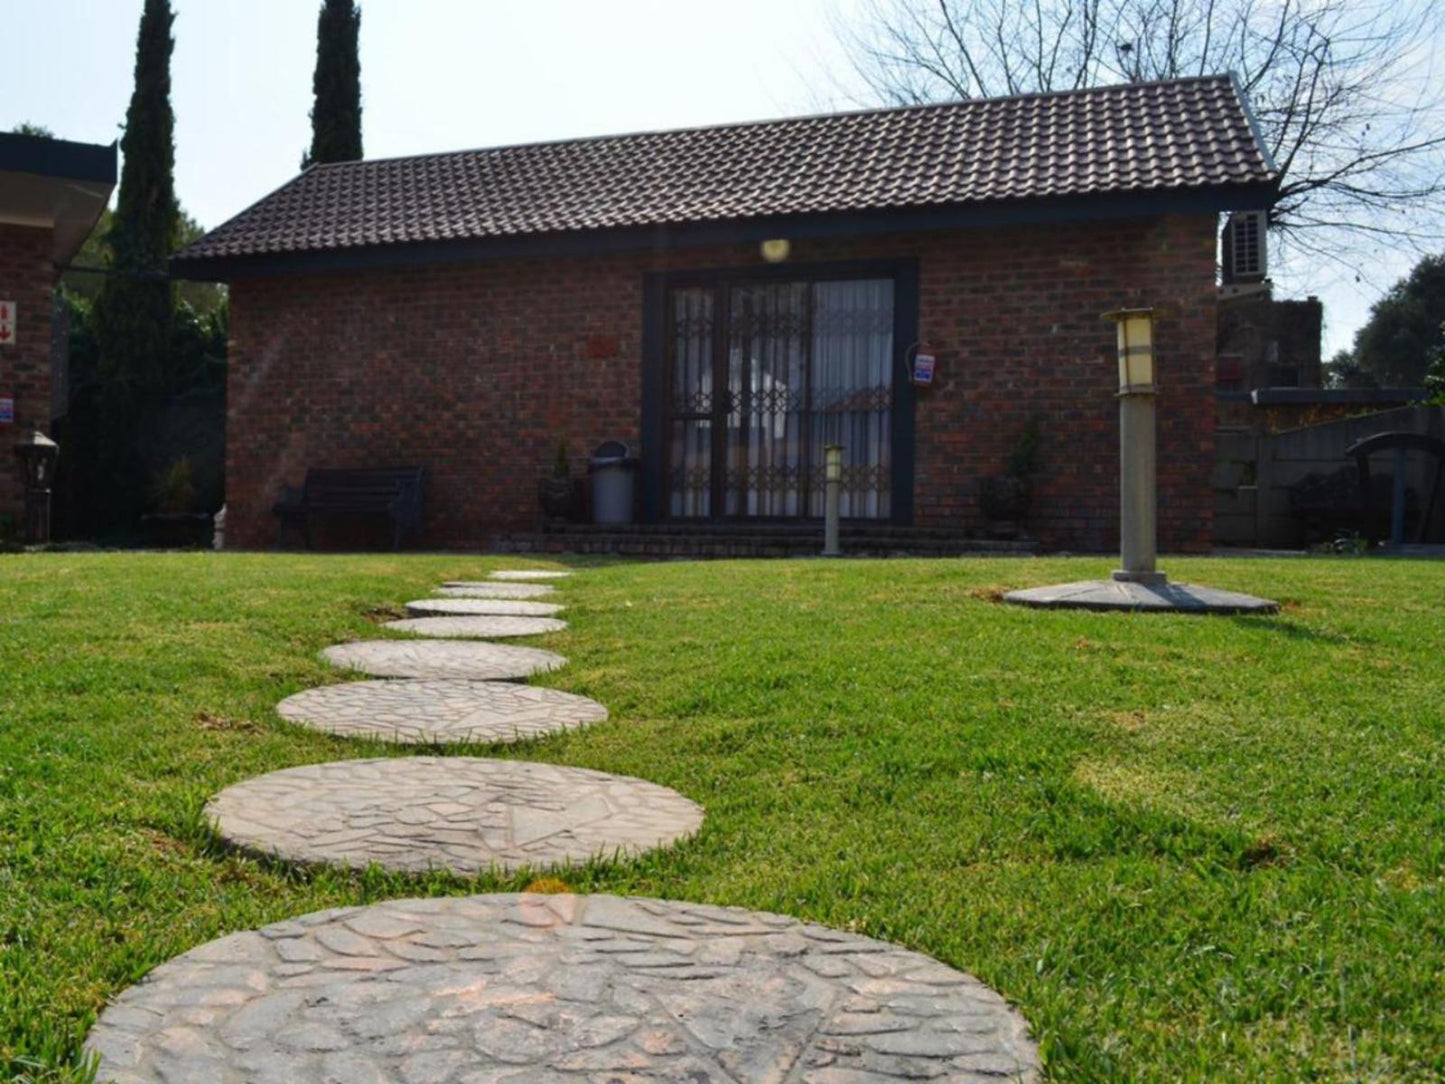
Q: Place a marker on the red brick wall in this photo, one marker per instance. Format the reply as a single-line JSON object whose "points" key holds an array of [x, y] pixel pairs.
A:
{"points": [[477, 370], [26, 278]]}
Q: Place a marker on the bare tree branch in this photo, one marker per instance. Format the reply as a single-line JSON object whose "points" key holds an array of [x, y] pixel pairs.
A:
{"points": [[1344, 91]]}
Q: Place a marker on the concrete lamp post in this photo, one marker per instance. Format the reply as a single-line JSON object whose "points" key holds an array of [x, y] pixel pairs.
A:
{"points": [[1138, 491], [1138, 584]]}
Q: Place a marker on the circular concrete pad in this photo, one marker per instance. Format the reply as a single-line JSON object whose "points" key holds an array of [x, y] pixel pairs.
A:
{"points": [[529, 988], [463, 814], [439, 711], [442, 659], [1160, 598], [478, 627], [463, 607], [500, 607], [477, 589], [528, 574]]}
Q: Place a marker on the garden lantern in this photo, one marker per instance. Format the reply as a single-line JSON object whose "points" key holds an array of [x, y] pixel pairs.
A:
{"points": [[1138, 585], [37, 454], [1138, 499], [1136, 350]]}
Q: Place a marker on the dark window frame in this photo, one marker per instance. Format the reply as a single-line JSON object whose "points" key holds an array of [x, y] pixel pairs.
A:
{"points": [[656, 286]]}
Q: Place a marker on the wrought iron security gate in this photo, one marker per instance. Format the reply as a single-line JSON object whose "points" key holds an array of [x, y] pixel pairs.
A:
{"points": [[761, 377]]}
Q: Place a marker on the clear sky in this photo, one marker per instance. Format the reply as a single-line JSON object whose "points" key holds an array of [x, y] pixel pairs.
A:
{"points": [[448, 74]]}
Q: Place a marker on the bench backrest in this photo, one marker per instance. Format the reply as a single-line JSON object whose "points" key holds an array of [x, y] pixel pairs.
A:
{"points": [[363, 490]]}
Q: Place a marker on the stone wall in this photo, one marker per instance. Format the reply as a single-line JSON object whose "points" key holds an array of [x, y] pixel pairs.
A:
{"points": [[477, 370], [26, 278]]}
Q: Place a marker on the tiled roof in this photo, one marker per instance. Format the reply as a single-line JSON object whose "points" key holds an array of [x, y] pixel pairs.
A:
{"points": [[1178, 136]]}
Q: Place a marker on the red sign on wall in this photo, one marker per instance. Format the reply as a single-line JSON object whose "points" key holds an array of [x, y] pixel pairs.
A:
{"points": [[7, 323]]}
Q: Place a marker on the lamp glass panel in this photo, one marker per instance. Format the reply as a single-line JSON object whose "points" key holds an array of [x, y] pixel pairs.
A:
{"points": [[1136, 351]]}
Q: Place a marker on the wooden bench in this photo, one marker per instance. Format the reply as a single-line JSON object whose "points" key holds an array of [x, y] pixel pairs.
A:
{"points": [[395, 493]]}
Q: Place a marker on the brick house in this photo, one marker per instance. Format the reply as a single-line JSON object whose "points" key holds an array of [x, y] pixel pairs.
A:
{"points": [[731, 299], [52, 191]]}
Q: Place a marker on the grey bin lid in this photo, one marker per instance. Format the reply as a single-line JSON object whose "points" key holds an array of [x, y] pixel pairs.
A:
{"points": [[612, 453]]}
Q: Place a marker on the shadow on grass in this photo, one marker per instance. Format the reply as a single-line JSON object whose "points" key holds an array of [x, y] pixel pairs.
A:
{"points": [[1293, 630]]}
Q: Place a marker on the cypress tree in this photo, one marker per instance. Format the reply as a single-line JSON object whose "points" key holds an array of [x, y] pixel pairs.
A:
{"points": [[133, 311], [336, 115]]}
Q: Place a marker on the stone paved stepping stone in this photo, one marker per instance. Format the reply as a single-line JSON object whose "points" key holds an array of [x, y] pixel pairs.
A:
{"points": [[464, 814], [477, 627], [528, 574], [458, 607], [479, 589], [442, 659], [439, 711], [467, 990], [504, 607]]}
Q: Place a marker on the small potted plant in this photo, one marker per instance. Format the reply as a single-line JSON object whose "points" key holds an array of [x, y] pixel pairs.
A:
{"points": [[557, 494], [1005, 498]]}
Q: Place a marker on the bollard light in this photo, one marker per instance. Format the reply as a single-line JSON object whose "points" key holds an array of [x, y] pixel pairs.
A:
{"points": [[832, 498], [1138, 498]]}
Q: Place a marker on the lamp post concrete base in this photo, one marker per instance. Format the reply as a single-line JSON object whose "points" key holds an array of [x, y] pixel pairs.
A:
{"points": [[1130, 594]]}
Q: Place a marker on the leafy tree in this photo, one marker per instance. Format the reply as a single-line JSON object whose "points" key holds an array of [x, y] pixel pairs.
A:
{"points": [[1435, 374], [1402, 335], [336, 115], [132, 313], [1343, 371], [29, 128]]}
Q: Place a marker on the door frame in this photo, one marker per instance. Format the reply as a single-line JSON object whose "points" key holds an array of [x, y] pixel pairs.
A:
{"points": [[655, 287]]}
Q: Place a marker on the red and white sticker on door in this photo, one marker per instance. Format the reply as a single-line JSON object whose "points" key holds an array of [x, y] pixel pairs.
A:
{"points": [[7, 323]]}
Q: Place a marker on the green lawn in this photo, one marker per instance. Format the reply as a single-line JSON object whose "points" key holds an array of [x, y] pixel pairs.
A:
{"points": [[1187, 848]]}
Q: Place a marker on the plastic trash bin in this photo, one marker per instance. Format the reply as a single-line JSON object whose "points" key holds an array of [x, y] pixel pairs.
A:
{"points": [[614, 478]]}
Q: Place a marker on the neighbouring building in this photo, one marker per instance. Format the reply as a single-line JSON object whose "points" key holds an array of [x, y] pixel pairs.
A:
{"points": [[52, 191], [729, 300]]}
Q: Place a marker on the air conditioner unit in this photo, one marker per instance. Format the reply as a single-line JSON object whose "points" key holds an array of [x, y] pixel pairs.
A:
{"points": [[1245, 252]]}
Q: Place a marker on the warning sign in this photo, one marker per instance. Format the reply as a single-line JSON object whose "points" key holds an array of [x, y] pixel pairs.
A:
{"points": [[7, 323]]}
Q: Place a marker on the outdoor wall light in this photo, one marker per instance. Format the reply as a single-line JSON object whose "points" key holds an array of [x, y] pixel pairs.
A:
{"points": [[1136, 350], [37, 454], [776, 249]]}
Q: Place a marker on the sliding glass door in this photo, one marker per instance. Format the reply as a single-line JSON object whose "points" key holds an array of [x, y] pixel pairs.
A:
{"points": [[761, 377]]}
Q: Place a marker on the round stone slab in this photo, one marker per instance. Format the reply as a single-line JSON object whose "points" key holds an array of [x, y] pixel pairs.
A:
{"points": [[528, 574], [482, 627], [479, 589], [439, 711], [442, 659], [463, 814], [500, 607], [1150, 598], [465, 607], [510, 988]]}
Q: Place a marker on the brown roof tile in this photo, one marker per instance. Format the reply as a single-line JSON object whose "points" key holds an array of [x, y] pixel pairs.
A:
{"points": [[1177, 135]]}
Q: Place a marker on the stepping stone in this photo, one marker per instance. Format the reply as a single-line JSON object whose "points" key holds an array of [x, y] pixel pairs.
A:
{"points": [[514, 988], [463, 814], [528, 574], [502, 607], [442, 659], [478, 589], [478, 627], [439, 711], [463, 607]]}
